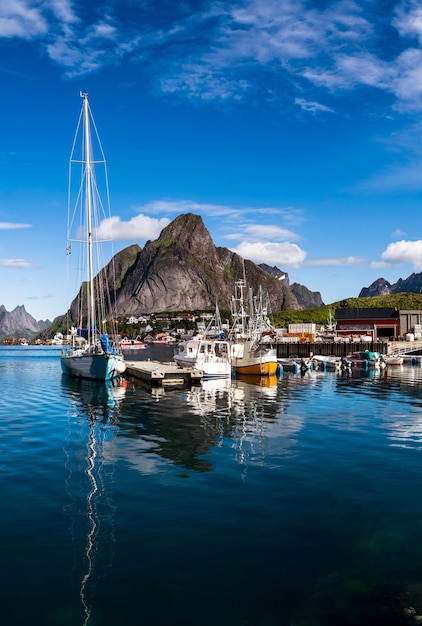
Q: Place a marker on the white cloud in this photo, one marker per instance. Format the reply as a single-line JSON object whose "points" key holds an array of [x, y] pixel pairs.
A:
{"points": [[139, 228], [313, 107], [280, 254], [336, 261], [19, 18], [186, 206], [16, 263], [398, 233], [404, 252], [263, 231], [13, 226]]}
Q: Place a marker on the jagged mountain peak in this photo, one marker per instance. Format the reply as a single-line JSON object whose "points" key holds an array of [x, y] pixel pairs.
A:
{"points": [[276, 272], [184, 228], [184, 270], [379, 287], [19, 322]]}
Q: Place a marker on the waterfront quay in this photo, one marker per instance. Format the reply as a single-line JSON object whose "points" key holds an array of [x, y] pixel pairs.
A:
{"points": [[343, 348]]}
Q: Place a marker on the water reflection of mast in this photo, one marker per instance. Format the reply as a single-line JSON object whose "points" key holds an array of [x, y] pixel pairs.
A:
{"points": [[89, 548], [97, 408]]}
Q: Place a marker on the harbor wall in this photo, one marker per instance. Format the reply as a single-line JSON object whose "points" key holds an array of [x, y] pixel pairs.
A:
{"points": [[330, 348]]}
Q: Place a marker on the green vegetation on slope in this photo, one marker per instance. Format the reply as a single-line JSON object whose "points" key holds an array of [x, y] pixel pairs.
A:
{"points": [[321, 315]]}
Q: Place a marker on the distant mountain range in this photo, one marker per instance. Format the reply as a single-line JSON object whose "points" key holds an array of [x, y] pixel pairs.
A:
{"points": [[381, 287], [19, 323]]}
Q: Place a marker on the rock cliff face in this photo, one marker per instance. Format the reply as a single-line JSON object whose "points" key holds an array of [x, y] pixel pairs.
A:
{"points": [[307, 299], [115, 272], [183, 270]]}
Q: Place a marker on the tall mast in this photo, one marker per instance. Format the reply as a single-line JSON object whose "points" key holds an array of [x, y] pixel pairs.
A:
{"points": [[88, 178]]}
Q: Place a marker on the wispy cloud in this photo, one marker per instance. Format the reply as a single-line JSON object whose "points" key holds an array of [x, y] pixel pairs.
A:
{"points": [[262, 232], [16, 263], [313, 107], [243, 49], [13, 226], [22, 18], [336, 261], [185, 206]]}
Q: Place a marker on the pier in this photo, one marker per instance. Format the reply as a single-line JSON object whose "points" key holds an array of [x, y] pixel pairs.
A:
{"points": [[158, 373], [343, 348]]}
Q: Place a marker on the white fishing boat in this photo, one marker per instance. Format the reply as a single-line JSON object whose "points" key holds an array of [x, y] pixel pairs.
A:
{"points": [[251, 336], [209, 354], [91, 353]]}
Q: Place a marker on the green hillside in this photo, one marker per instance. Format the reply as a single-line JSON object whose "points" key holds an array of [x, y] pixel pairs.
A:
{"points": [[321, 315]]}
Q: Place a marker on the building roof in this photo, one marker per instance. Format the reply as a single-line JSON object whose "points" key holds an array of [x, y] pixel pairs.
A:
{"points": [[365, 314]]}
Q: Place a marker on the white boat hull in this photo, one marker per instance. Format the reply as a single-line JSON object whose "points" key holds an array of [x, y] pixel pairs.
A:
{"points": [[92, 366], [212, 357]]}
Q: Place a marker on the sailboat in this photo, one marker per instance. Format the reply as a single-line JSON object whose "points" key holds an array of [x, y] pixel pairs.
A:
{"points": [[91, 353], [251, 335]]}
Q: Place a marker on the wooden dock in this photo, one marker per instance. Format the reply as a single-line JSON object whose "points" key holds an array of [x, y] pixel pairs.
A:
{"points": [[158, 373]]}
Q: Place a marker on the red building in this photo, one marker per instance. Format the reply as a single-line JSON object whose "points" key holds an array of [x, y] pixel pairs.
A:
{"points": [[383, 323]]}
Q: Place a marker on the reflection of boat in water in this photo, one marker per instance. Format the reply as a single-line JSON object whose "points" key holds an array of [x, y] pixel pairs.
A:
{"points": [[393, 360], [95, 413], [213, 395], [265, 382]]}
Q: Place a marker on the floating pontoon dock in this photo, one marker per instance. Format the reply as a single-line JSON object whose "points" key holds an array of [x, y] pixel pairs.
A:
{"points": [[158, 373]]}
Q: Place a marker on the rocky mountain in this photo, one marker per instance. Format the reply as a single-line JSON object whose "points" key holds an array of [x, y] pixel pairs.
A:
{"points": [[19, 323], [381, 287], [183, 270], [276, 272], [307, 299]]}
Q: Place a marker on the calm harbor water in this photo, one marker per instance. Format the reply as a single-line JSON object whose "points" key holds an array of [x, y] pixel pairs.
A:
{"points": [[295, 501]]}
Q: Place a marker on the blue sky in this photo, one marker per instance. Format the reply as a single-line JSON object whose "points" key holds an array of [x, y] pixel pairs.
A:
{"points": [[293, 128]]}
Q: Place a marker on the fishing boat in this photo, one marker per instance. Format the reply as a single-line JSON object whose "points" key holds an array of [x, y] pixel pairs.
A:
{"points": [[251, 336], [209, 354], [91, 353], [127, 343]]}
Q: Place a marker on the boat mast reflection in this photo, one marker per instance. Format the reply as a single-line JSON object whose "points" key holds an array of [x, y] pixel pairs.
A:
{"points": [[97, 405]]}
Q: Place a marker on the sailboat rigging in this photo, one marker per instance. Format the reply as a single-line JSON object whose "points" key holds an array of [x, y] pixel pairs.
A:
{"points": [[91, 353]]}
